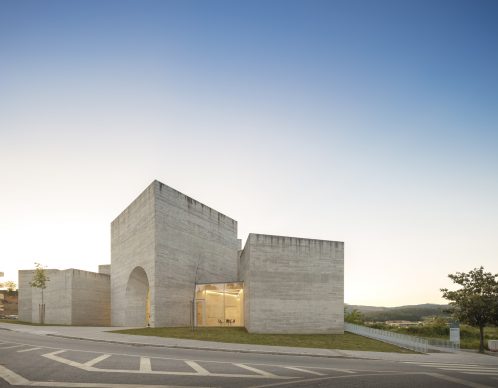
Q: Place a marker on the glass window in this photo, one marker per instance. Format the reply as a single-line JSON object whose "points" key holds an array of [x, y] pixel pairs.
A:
{"points": [[219, 304]]}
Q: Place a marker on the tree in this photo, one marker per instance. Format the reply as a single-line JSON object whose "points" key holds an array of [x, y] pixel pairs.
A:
{"points": [[476, 302], [354, 316], [10, 286], [40, 280]]}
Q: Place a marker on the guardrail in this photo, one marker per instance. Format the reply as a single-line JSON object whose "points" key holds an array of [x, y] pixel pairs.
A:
{"points": [[422, 345]]}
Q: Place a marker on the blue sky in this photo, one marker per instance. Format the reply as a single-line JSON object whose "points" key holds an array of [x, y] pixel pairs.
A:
{"points": [[373, 123]]}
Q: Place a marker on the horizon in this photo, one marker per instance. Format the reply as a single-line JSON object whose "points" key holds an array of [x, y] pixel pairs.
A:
{"points": [[374, 124]]}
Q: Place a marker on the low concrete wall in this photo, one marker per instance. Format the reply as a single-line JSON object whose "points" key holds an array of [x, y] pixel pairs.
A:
{"points": [[72, 297], [91, 298], [293, 285]]}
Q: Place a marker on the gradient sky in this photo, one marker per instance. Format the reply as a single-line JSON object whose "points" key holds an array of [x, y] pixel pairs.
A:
{"points": [[369, 122]]}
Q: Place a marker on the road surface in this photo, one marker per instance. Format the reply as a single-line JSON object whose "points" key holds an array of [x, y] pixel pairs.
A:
{"points": [[47, 361]]}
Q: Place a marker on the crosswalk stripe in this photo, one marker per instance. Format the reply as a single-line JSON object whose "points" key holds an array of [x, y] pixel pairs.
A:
{"points": [[27, 350], [96, 360], [199, 369], [145, 364], [305, 370], [255, 370]]}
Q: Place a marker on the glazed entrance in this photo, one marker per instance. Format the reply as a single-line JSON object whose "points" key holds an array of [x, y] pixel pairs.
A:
{"points": [[219, 304]]}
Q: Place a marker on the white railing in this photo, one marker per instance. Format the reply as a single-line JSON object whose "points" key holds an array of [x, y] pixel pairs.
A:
{"points": [[441, 345], [422, 345], [402, 340]]}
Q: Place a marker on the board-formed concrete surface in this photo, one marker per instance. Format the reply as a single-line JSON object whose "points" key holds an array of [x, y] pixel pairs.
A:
{"points": [[293, 285], [177, 241], [165, 242], [72, 297]]}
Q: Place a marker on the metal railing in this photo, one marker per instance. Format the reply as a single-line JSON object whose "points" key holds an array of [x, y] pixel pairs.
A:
{"points": [[402, 340], [441, 345], [422, 345]]}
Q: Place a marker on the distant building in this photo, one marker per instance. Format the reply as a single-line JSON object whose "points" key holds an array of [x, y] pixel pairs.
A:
{"points": [[177, 262]]}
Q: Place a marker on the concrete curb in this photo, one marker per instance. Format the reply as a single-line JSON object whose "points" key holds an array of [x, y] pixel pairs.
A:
{"points": [[276, 353]]}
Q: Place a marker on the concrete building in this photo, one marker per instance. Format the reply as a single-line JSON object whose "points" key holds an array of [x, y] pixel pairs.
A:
{"points": [[72, 297], [177, 262]]}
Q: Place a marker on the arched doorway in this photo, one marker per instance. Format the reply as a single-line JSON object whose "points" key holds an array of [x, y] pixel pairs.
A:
{"points": [[137, 298]]}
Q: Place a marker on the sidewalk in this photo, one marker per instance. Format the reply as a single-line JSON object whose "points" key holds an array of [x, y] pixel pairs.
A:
{"points": [[103, 334]]}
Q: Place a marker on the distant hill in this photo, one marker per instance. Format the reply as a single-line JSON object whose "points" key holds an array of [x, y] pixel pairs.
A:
{"points": [[406, 313]]}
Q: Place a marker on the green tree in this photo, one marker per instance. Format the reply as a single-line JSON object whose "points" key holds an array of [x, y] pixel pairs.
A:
{"points": [[476, 302], [354, 316], [10, 286], [40, 280]]}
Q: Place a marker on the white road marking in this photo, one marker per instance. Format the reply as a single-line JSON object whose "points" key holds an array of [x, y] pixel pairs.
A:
{"points": [[145, 364], [435, 375], [96, 360], [305, 370], [255, 370], [458, 381], [11, 347], [11, 377], [27, 350], [199, 369], [14, 379]]}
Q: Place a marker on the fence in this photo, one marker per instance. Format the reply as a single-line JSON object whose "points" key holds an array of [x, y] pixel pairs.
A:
{"points": [[422, 345]]}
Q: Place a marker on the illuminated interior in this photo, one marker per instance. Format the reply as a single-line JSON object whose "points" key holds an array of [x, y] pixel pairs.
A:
{"points": [[219, 304]]}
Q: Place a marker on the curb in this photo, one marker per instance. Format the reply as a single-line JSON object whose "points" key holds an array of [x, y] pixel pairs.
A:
{"points": [[211, 349]]}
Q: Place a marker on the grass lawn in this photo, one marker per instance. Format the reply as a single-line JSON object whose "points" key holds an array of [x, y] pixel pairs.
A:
{"points": [[346, 341]]}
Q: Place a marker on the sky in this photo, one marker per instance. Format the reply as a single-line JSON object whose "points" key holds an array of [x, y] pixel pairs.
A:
{"points": [[369, 122]]}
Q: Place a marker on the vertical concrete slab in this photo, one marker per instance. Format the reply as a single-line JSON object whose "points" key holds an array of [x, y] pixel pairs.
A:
{"points": [[25, 295], [193, 243], [132, 245], [90, 299], [293, 285]]}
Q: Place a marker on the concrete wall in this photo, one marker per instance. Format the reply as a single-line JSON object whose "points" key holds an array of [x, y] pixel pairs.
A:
{"points": [[105, 269], [91, 298], [189, 236], [72, 297], [132, 245], [293, 285], [169, 235], [25, 299]]}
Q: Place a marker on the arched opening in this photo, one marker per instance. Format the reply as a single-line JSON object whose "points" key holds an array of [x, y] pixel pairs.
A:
{"points": [[137, 299]]}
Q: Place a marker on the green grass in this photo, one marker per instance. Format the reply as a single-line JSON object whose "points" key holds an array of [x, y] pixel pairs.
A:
{"points": [[346, 341]]}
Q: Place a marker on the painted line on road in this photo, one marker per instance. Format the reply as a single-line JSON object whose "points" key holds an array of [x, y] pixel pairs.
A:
{"points": [[305, 370], [11, 347], [11, 377], [258, 371], [145, 364], [458, 380], [27, 350], [96, 360], [494, 370], [199, 369], [318, 379], [439, 364]]}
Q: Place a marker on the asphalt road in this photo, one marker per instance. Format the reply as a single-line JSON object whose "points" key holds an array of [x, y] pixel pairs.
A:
{"points": [[47, 361]]}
